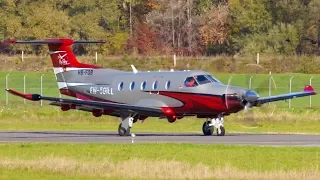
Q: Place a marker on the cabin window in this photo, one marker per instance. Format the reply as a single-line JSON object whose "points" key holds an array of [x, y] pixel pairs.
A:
{"points": [[190, 82], [143, 85], [155, 85], [120, 86], [131, 86], [168, 85], [202, 79]]}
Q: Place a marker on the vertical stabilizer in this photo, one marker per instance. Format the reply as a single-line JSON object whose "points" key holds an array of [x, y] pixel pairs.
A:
{"points": [[62, 57]]}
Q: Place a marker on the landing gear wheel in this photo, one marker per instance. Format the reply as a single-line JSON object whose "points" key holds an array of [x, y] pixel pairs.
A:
{"points": [[122, 131], [206, 129], [221, 132]]}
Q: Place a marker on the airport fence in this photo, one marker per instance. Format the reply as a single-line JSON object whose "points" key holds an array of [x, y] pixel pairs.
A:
{"points": [[266, 85]]}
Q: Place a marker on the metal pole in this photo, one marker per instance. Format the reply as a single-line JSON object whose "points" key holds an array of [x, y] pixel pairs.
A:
{"points": [[96, 57], [250, 82], [290, 89], [310, 82], [7, 88], [270, 87], [41, 87], [24, 86]]}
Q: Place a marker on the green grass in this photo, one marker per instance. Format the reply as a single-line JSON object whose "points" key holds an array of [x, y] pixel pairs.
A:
{"points": [[293, 158], [283, 120], [27, 174], [155, 161]]}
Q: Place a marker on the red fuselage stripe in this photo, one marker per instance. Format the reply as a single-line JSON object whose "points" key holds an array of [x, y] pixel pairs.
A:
{"points": [[193, 103]]}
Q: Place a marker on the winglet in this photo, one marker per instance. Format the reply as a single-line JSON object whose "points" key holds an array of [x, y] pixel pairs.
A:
{"points": [[134, 69], [32, 97], [10, 41], [309, 88]]}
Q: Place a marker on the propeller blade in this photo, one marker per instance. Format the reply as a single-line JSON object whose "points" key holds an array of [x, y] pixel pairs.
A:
{"points": [[227, 92]]}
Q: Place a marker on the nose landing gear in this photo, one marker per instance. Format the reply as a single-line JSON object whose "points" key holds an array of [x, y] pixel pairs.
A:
{"points": [[208, 126]]}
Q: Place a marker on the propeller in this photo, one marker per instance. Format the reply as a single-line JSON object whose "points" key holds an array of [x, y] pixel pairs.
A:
{"points": [[247, 98], [235, 95]]}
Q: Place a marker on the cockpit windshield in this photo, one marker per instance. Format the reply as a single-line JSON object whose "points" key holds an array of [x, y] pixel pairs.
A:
{"points": [[213, 79], [199, 80], [202, 79]]}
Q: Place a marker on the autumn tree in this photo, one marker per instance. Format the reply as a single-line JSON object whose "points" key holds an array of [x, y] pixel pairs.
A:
{"points": [[213, 28], [178, 26], [144, 40], [185, 27]]}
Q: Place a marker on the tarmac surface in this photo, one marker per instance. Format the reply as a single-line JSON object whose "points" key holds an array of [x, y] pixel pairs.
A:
{"points": [[112, 137]]}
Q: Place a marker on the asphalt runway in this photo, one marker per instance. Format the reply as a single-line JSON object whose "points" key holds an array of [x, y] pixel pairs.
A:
{"points": [[112, 137]]}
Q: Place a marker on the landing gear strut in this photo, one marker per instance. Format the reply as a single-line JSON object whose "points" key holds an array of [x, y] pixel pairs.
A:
{"points": [[208, 126], [125, 125]]}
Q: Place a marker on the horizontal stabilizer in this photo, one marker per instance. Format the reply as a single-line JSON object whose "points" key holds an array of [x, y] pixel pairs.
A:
{"points": [[53, 41]]}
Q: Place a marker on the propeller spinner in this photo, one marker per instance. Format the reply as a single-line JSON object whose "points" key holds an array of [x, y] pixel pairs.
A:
{"points": [[246, 98]]}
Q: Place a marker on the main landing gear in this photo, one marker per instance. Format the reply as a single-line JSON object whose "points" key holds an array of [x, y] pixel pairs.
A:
{"points": [[126, 124], [210, 124]]}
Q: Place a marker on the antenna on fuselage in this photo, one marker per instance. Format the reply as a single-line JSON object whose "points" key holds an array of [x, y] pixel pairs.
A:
{"points": [[134, 69]]}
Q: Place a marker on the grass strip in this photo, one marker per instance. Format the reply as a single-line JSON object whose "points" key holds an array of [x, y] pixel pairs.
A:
{"points": [[157, 161]]}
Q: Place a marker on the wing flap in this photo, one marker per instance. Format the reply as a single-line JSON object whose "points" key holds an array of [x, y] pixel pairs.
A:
{"points": [[308, 91]]}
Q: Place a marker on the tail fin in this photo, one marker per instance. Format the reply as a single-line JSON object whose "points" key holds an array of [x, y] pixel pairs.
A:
{"points": [[63, 59], [60, 51]]}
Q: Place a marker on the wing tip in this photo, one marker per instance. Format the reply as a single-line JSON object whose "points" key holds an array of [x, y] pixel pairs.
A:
{"points": [[32, 97], [9, 41], [309, 88]]}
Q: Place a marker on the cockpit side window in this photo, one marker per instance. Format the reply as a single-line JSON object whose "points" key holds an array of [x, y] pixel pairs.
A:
{"points": [[202, 79], [190, 82]]}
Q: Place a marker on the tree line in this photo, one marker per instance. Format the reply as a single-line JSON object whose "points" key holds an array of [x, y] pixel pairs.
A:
{"points": [[157, 27]]}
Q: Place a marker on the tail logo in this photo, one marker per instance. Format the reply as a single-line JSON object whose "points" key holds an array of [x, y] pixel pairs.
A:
{"points": [[62, 60]]}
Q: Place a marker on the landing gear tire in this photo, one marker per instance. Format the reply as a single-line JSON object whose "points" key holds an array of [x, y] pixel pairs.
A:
{"points": [[221, 132], [122, 131], [206, 129]]}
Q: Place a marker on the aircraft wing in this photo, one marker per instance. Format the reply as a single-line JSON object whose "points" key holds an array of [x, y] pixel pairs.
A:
{"points": [[308, 91], [115, 106]]}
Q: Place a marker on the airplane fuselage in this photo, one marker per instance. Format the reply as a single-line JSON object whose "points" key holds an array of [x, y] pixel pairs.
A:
{"points": [[151, 89]]}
